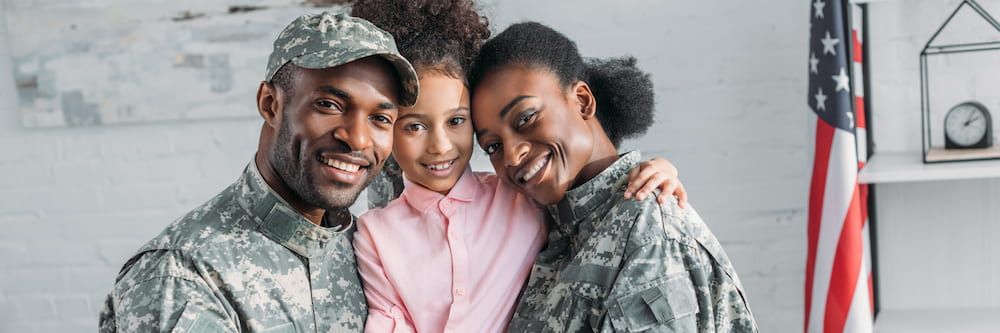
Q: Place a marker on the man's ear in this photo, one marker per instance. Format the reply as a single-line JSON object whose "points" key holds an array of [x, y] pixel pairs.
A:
{"points": [[269, 103], [585, 97]]}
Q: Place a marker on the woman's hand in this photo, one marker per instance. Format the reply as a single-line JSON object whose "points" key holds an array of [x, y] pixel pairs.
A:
{"points": [[652, 174]]}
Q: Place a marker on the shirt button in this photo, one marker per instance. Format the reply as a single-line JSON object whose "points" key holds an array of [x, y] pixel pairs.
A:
{"points": [[451, 234], [460, 291]]}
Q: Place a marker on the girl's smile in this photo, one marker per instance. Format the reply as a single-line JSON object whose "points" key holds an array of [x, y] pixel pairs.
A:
{"points": [[433, 139]]}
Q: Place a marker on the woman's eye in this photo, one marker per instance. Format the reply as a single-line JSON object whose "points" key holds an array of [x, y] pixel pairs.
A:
{"points": [[414, 127], [524, 118], [456, 121], [491, 148]]}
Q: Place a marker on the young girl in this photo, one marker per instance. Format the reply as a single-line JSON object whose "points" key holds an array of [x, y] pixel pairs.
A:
{"points": [[551, 125], [453, 252]]}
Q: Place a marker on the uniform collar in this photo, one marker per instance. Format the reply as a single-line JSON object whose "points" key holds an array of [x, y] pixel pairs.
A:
{"points": [[421, 198], [277, 220], [580, 202]]}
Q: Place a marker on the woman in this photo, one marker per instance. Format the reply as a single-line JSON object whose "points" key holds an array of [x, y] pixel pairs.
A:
{"points": [[550, 124], [453, 252]]}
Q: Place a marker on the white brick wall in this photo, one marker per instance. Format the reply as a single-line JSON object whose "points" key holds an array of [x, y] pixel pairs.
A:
{"points": [[730, 79]]}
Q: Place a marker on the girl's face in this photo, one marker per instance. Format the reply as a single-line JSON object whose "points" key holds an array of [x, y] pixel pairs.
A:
{"points": [[433, 139], [536, 132]]}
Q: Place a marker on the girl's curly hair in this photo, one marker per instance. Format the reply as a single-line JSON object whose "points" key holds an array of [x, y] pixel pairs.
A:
{"points": [[439, 35]]}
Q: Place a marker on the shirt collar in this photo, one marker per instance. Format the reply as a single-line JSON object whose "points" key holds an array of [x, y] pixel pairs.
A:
{"points": [[277, 220], [583, 200], [421, 198]]}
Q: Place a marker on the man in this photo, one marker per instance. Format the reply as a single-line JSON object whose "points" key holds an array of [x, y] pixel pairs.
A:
{"points": [[272, 252]]}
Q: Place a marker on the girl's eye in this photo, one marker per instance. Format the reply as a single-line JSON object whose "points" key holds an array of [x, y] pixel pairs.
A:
{"points": [[414, 127], [491, 148], [524, 118], [456, 121], [327, 104]]}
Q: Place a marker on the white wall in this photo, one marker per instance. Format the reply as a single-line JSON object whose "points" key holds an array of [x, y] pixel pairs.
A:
{"points": [[936, 240], [730, 80]]}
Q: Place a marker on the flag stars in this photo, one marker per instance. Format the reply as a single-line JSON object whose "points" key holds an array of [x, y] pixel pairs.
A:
{"points": [[843, 82], [819, 5], [820, 100], [813, 63], [829, 43]]}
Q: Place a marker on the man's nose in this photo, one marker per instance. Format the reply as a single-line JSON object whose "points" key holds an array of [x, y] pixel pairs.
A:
{"points": [[355, 131]]}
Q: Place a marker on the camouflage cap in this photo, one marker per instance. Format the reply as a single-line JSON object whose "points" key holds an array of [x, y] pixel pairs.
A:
{"points": [[332, 39]]}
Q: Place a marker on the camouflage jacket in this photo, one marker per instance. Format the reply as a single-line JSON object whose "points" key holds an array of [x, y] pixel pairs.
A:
{"points": [[245, 261], [620, 265], [386, 186]]}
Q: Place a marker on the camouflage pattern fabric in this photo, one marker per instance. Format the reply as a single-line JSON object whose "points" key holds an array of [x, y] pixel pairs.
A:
{"points": [[386, 186], [620, 265], [245, 261], [330, 39]]}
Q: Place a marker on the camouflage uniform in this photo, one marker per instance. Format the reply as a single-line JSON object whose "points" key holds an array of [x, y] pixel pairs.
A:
{"points": [[386, 186], [328, 40], [620, 265], [245, 261]]}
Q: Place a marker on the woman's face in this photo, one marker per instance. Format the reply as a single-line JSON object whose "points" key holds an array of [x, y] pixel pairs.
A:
{"points": [[535, 131], [433, 139]]}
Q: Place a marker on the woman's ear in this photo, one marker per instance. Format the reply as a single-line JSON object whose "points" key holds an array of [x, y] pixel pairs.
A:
{"points": [[585, 98], [269, 103]]}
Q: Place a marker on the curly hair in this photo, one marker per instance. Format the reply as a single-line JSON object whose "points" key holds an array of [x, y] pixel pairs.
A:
{"points": [[438, 35], [624, 93]]}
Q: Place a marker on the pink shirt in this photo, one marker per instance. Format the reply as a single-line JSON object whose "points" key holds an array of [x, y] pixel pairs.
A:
{"points": [[455, 263]]}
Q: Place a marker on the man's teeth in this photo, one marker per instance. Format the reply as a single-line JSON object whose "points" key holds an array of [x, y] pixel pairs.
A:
{"points": [[440, 166], [341, 165], [534, 169]]}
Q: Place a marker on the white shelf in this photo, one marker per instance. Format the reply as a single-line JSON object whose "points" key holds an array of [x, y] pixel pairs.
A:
{"points": [[896, 167], [972, 320]]}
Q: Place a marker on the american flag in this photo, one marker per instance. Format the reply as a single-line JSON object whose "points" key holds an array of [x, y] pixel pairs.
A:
{"points": [[838, 291]]}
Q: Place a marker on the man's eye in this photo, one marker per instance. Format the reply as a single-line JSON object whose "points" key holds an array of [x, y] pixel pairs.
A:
{"points": [[456, 121], [414, 127], [491, 148], [524, 118], [382, 119], [327, 104]]}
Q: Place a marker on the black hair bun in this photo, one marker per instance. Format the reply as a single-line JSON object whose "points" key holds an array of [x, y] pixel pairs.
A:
{"points": [[624, 94]]}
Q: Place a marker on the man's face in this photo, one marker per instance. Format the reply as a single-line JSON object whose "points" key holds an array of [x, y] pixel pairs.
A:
{"points": [[335, 130]]}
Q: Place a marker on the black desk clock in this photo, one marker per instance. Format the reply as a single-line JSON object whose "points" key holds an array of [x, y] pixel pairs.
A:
{"points": [[968, 125]]}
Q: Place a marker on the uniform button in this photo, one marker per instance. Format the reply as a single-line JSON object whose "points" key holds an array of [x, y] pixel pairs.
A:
{"points": [[451, 234], [460, 291]]}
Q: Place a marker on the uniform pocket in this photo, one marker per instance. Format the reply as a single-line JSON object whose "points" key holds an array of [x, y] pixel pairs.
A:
{"points": [[666, 305], [283, 328], [194, 319]]}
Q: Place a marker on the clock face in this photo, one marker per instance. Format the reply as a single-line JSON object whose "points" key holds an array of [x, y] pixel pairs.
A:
{"points": [[966, 124]]}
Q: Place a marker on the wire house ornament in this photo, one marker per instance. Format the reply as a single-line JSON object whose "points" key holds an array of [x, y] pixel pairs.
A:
{"points": [[930, 49]]}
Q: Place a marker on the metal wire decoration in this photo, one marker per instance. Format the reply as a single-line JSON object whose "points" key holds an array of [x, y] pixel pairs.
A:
{"points": [[929, 50]]}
